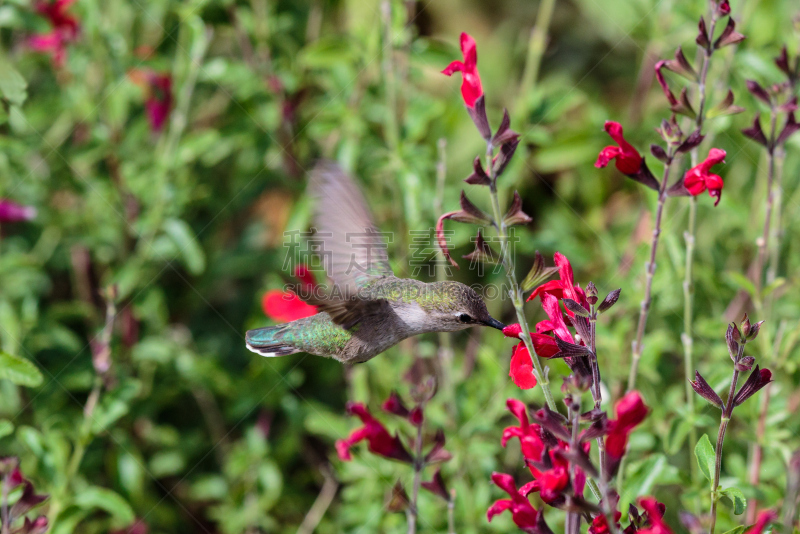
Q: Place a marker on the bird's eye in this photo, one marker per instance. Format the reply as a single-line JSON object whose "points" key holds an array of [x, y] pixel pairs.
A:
{"points": [[464, 318]]}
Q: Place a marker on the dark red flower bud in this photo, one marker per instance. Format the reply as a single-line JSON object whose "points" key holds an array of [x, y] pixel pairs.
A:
{"points": [[478, 176], [745, 363], [759, 92], [416, 416], [755, 132], [732, 337], [729, 36], [723, 8], [757, 380], [515, 215], [398, 499], [702, 388], [791, 127], [438, 453], [702, 34], [609, 301], [437, 486], [394, 405], [27, 500]]}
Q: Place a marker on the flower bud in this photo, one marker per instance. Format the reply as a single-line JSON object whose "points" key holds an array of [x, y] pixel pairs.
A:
{"points": [[591, 293], [702, 388], [757, 380], [745, 364]]}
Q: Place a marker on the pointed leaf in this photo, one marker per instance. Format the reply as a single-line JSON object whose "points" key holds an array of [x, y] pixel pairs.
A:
{"points": [[704, 453], [737, 499], [20, 371]]}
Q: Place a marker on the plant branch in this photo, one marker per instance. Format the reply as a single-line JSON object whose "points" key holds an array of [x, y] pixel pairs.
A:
{"points": [[515, 293], [727, 413], [419, 464], [650, 272]]}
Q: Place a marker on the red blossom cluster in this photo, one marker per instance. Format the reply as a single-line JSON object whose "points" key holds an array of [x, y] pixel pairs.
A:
{"points": [[64, 30]]}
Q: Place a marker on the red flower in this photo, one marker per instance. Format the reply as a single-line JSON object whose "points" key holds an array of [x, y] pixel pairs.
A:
{"points": [[379, 440], [600, 524], [521, 371], [629, 161], [764, 518], [631, 411], [544, 345], [698, 178], [65, 29], [13, 212], [528, 434], [554, 481], [512, 330], [159, 100], [471, 89], [523, 513], [286, 306], [563, 288], [655, 514]]}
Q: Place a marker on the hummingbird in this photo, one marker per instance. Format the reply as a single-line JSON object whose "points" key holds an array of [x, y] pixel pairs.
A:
{"points": [[369, 309]]}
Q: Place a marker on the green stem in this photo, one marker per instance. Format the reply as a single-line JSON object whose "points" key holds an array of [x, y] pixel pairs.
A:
{"points": [[727, 413], [516, 294], [650, 272], [419, 464]]}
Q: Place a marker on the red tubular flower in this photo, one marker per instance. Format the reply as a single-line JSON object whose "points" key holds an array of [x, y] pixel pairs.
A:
{"points": [[600, 524], [563, 288], [471, 89], [655, 514], [764, 518], [523, 513], [512, 330], [628, 160], [631, 411], [528, 434], [554, 481], [699, 178], [286, 306], [521, 371], [379, 440], [64, 30], [13, 212]]}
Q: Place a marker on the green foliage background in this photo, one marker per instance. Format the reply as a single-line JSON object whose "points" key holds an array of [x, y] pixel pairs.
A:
{"points": [[189, 225]]}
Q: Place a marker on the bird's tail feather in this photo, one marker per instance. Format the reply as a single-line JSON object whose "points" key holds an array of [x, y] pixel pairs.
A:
{"points": [[268, 342]]}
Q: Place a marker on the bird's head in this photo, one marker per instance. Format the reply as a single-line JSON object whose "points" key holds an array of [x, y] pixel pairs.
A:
{"points": [[456, 306]]}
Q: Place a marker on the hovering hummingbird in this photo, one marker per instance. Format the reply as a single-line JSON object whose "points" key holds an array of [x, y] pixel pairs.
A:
{"points": [[369, 308]]}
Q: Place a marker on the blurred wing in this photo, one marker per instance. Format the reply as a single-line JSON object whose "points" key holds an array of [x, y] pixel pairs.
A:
{"points": [[352, 250]]}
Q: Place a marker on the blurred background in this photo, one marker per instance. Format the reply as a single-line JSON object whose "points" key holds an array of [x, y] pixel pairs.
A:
{"points": [[165, 147]]}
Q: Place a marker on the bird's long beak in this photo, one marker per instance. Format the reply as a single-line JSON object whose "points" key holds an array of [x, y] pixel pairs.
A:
{"points": [[494, 323]]}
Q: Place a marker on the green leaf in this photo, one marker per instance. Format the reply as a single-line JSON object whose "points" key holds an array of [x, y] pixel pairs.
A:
{"points": [[6, 427], [737, 499], [705, 456], [736, 530], [12, 85], [19, 370], [95, 497], [188, 247]]}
